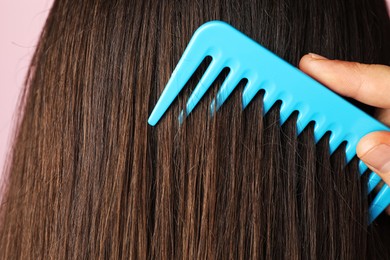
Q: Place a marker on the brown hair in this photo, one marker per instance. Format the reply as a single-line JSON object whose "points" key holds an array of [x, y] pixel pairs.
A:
{"points": [[90, 179]]}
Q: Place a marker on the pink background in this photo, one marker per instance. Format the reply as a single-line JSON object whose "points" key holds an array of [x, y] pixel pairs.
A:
{"points": [[20, 24]]}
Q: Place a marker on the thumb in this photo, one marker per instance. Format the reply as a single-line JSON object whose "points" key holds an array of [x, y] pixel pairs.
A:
{"points": [[374, 150]]}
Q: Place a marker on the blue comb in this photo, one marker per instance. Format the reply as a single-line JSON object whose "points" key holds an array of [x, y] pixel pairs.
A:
{"points": [[280, 80]]}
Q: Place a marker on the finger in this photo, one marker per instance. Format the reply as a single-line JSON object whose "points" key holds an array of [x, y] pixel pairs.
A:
{"points": [[374, 150], [369, 84], [383, 115]]}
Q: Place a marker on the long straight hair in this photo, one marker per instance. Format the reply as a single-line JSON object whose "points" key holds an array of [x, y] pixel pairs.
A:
{"points": [[89, 179]]}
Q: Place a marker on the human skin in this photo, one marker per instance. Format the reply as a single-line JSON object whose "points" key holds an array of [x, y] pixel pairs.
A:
{"points": [[369, 84]]}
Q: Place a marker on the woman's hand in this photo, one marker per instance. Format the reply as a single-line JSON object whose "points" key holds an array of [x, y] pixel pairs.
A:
{"points": [[370, 84]]}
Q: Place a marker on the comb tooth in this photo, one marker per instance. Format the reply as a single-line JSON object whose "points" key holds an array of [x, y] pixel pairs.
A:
{"points": [[251, 89], [335, 139], [320, 127], [373, 180], [304, 118], [381, 201], [204, 84], [362, 167], [270, 95], [350, 149], [197, 49], [228, 86], [180, 118], [286, 108], [182, 73]]}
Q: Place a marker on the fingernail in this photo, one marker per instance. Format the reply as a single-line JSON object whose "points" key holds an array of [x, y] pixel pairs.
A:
{"points": [[317, 57], [378, 157]]}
